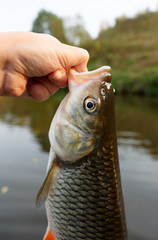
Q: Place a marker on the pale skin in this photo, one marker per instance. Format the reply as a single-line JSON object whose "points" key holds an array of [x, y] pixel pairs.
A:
{"points": [[36, 65]]}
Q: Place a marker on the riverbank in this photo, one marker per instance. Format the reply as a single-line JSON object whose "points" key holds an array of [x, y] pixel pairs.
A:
{"points": [[131, 49]]}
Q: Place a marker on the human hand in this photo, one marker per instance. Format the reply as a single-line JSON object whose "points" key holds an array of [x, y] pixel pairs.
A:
{"points": [[34, 65]]}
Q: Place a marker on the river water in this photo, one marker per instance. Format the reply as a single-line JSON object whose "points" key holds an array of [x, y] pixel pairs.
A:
{"points": [[24, 150]]}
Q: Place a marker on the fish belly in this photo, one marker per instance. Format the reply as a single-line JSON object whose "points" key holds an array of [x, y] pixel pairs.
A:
{"points": [[85, 201]]}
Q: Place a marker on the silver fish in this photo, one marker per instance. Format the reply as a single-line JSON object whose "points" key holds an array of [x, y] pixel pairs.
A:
{"points": [[82, 188]]}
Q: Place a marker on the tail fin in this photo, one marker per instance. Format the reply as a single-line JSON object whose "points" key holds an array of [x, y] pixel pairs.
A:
{"points": [[48, 235]]}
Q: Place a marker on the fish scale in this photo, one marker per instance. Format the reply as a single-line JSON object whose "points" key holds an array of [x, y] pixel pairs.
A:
{"points": [[85, 200], [82, 186]]}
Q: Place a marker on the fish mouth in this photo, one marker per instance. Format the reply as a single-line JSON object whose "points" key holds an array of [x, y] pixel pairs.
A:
{"points": [[76, 78]]}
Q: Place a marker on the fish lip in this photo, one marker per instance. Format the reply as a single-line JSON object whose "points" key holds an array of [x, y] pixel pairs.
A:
{"points": [[102, 70], [104, 73]]}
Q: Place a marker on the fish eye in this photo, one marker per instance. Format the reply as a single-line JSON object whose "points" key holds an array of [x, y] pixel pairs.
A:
{"points": [[90, 105]]}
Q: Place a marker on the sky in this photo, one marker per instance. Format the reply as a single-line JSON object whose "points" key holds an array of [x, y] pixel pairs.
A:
{"points": [[18, 15]]}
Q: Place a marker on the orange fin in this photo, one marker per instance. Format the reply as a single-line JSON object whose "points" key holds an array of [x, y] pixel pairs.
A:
{"points": [[48, 235]]}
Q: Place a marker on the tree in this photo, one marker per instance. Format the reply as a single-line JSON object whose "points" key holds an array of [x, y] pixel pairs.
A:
{"points": [[67, 30], [75, 31], [47, 22]]}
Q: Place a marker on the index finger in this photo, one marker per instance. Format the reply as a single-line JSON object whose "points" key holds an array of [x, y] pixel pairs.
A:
{"points": [[75, 57]]}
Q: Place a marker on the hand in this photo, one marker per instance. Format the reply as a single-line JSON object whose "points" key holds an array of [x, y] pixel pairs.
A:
{"points": [[35, 65]]}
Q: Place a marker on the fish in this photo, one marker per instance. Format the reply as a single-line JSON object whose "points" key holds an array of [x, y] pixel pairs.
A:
{"points": [[82, 189]]}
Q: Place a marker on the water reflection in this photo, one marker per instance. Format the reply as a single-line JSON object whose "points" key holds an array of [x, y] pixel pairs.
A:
{"points": [[24, 147], [134, 115], [36, 116], [137, 117]]}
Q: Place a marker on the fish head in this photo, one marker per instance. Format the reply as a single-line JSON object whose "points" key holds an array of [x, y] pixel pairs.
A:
{"points": [[79, 121]]}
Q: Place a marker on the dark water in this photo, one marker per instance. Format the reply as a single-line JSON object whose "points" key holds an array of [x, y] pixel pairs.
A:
{"points": [[24, 150]]}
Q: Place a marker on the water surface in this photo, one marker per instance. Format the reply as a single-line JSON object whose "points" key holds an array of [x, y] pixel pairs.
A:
{"points": [[24, 150]]}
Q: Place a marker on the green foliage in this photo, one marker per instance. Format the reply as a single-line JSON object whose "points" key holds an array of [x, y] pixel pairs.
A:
{"points": [[131, 49], [69, 30], [47, 22], [75, 31]]}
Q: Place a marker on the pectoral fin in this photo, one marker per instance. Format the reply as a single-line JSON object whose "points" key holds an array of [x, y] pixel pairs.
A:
{"points": [[43, 192], [48, 235]]}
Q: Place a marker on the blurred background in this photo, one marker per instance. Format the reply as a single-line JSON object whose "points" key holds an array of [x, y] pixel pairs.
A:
{"points": [[121, 34]]}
